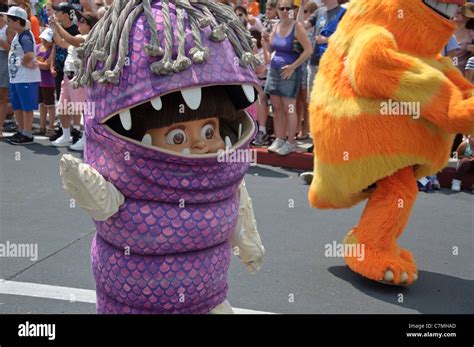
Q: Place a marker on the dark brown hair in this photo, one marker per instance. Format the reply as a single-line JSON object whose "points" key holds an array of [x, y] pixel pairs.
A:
{"points": [[215, 102]]}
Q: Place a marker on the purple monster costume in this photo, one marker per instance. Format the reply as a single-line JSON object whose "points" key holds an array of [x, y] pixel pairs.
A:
{"points": [[167, 248]]}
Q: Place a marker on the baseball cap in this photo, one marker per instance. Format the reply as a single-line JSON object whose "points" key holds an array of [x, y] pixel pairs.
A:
{"points": [[17, 12], [47, 34], [64, 7]]}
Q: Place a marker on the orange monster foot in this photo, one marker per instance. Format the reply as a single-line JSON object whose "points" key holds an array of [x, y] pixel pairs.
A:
{"points": [[394, 267]]}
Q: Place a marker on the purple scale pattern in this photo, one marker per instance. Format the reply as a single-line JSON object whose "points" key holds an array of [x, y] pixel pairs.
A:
{"points": [[178, 256], [156, 255], [139, 84], [193, 282], [158, 228]]}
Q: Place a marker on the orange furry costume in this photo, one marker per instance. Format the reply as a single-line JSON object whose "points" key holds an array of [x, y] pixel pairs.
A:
{"points": [[385, 53]]}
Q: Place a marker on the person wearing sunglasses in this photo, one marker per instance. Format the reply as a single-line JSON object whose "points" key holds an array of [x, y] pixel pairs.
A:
{"points": [[285, 75], [248, 20], [70, 96]]}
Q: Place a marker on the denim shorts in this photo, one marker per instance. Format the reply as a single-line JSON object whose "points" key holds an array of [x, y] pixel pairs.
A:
{"points": [[287, 88]]}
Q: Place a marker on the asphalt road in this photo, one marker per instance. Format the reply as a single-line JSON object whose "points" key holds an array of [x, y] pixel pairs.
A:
{"points": [[296, 277]]}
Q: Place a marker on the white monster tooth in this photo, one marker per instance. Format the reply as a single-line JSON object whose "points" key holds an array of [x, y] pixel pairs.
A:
{"points": [[249, 92], [126, 119], [156, 103], [228, 142], [240, 130], [192, 97], [186, 151], [147, 140]]}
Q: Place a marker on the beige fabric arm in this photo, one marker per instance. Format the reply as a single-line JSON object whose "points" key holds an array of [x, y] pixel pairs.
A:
{"points": [[245, 239], [99, 198]]}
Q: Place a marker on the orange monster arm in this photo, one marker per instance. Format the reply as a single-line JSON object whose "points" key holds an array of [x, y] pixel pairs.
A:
{"points": [[377, 69]]}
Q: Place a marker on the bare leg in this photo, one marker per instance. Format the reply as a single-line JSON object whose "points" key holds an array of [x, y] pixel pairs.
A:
{"points": [[383, 220], [77, 119], [303, 121], [65, 121], [278, 117], [27, 120], [52, 115], [289, 107], [262, 110], [19, 119], [43, 114]]}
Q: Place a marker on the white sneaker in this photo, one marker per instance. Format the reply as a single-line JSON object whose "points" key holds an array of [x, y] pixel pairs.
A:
{"points": [[275, 145], [63, 141], [79, 145], [436, 184], [456, 185], [286, 149]]}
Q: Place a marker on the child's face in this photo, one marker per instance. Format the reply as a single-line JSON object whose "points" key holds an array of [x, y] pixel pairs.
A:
{"points": [[46, 44], [195, 137]]}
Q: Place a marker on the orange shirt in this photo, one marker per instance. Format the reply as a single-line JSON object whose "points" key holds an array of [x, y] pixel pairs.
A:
{"points": [[35, 28]]}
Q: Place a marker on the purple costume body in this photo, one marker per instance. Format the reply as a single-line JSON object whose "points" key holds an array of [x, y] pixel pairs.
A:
{"points": [[167, 248]]}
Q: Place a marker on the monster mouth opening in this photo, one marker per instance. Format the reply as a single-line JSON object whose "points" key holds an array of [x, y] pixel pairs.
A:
{"points": [[446, 10], [226, 102]]}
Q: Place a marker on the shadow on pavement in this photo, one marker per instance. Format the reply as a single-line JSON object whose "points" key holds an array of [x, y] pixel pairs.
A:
{"points": [[433, 293]]}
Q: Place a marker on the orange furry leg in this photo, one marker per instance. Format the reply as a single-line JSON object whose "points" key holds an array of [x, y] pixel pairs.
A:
{"points": [[383, 220]]}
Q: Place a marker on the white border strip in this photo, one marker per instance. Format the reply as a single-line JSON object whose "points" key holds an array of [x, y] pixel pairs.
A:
{"points": [[45, 291]]}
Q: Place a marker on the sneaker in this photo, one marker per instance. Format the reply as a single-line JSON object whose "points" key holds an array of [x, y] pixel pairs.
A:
{"points": [[307, 177], [16, 135], [76, 135], [10, 127], [63, 141], [286, 149], [50, 132], [456, 185], [79, 145], [436, 184], [21, 140], [261, 140], [57, 134], [276, 145], [39, 131]]}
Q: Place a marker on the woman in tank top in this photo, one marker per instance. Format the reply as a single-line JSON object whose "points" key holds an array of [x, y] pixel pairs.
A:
{"points": [[291, 48]]}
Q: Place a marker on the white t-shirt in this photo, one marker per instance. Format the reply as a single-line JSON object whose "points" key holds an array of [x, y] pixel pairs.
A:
{"points": [[22, 42], [69, 63]]}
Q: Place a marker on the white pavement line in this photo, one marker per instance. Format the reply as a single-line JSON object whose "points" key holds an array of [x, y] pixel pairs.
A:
{"points": [[45, 291]]}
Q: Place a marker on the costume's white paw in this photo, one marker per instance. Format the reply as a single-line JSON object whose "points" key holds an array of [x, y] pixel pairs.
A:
{"points": [[99, 198]]}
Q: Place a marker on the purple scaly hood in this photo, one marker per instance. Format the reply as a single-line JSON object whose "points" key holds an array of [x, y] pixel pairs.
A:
{"points": [[167, 249]]}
